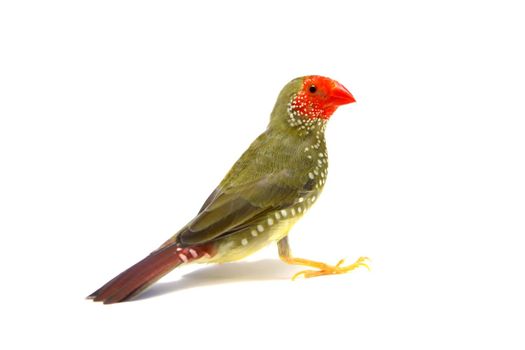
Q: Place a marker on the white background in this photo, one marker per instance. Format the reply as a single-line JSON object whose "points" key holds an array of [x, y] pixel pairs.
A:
{"points": [[119, 118]]}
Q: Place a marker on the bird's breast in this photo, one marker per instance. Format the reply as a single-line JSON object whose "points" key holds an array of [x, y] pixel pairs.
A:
{"points": [[309, 169]]}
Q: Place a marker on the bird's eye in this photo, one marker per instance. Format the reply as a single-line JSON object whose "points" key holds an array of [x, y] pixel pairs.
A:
{"points": [[312, 89]]}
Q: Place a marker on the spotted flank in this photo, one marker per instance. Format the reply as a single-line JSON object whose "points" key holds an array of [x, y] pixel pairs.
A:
{"points": [[315, 155]]}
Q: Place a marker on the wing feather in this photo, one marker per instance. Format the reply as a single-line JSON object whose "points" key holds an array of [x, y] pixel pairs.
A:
{"points": [[238, 206]]}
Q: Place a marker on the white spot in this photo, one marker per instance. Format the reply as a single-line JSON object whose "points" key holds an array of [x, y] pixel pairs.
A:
{"points": [[309, 156], [321, 155], [300, 209], [254, 233], [277, 216], [300, 200], [311, 175], [260, 228], [244, 241], [183, 257], [293, 212], [319, 161], [316, 172], [306, 149], [284, 213], [322, 174], [270, 221], [193, 253], [206, 255], [313, 198]]}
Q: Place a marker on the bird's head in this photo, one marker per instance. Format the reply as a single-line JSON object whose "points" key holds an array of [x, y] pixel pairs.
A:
{"points": [[309, 99]]}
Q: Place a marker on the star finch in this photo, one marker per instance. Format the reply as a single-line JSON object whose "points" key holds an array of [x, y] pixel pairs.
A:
{"points": [[277, 179]]}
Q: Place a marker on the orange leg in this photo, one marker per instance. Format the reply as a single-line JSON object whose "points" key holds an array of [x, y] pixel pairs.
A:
{"points": [[323, 269]]}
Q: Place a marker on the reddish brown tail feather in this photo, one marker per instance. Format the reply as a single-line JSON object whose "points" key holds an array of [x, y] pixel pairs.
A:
{"points": [[146, 272]]}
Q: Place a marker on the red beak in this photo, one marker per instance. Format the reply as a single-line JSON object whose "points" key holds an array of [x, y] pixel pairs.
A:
{"points": [[339, 95]]}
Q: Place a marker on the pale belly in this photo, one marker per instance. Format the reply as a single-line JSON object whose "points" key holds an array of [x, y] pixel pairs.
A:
{"points": [[269, 229]]}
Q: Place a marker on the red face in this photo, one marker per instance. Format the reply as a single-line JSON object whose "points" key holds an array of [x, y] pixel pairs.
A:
{"points": [[320, 97]]}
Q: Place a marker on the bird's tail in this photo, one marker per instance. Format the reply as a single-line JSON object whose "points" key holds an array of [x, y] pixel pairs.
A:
{"points": [[146, 272]]}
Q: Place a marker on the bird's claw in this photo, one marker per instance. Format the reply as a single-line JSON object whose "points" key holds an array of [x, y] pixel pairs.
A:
{"points": [[334, 270]]}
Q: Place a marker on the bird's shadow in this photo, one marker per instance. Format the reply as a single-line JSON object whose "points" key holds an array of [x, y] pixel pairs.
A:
{"points": [[267, 269]]}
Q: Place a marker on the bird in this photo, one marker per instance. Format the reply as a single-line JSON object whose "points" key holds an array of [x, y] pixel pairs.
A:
{"points": [[270, 187]]}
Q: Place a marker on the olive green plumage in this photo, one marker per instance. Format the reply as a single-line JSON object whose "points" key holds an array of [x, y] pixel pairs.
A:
{"points": [[266, 191], [273, 183]]}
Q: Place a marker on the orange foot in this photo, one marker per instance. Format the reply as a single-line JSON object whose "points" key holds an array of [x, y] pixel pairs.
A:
{"points": [[325, 269]]}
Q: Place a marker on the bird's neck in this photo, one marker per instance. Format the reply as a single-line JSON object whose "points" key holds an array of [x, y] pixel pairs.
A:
{"points": [[303, 141], [288, 120]]}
